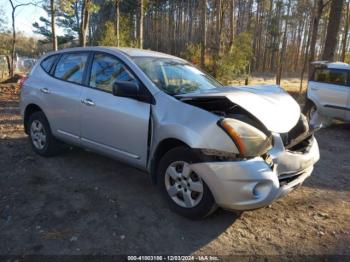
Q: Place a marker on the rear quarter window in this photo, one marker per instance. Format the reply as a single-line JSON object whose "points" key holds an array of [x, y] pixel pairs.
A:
{"points": [[47, 63], [331, 76]]}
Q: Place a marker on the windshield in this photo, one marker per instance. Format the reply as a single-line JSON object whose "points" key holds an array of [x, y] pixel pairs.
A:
{"points": [[175, 76]]}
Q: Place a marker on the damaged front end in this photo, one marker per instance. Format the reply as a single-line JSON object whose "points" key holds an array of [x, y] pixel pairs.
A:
{"points": [[249, 135], [273, 159], [251, 121]]}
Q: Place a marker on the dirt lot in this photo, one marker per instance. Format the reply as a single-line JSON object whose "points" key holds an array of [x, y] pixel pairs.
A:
{"points": [[83, 203]]}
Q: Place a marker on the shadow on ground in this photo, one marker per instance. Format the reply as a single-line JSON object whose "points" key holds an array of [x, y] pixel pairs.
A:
{"points": [[64, 204], [83, 203], [331, 172]]}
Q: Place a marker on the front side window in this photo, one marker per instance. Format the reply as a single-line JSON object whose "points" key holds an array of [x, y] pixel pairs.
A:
{"points": [[71, 67], [331, 76], [47, 63], [106, 70], [175, 76]]}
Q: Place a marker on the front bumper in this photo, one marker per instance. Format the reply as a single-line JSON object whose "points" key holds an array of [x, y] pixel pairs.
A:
{"points": [[253, 183]]}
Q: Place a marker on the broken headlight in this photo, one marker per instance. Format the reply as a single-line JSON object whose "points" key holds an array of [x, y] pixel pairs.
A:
{"points": [[249, 140]]}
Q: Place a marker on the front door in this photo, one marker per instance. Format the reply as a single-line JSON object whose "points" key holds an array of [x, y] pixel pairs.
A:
{"points": [[113, 125]]}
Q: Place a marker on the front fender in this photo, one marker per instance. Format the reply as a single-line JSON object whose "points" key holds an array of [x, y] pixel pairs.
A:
{"points": [[193, 126]]}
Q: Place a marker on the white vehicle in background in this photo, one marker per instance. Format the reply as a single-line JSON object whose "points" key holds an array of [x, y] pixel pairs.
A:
{"points": [[328, 93]]}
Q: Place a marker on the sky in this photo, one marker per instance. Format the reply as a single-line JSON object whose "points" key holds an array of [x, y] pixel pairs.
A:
{"points": [[25, 16]]}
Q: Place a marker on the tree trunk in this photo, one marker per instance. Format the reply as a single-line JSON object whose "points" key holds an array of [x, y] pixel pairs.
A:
{"points": [[13, 49], [319, 6], [249, 15], [306, 59], [332, 30], [13, 46], [85, 16], [53, 25], [8, 61], [203, 32], [346, 31], [141, 22], [283, 49], [232, 23], [298, 45], [117, 21], [254, 61], [218, 37]]}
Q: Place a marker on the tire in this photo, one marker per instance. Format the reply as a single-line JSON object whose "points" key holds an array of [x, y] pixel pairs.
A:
{"points": [[186, 199], [40, 136], [309, 109]]}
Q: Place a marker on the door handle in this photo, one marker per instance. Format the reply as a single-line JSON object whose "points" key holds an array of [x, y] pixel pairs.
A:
{"points": [[45, 90], [314, 88], [88, 102]]}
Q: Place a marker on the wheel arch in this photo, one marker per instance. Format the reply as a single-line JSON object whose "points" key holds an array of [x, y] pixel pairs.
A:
{"points": [[163, 147], [29, 110], [311, 98]]}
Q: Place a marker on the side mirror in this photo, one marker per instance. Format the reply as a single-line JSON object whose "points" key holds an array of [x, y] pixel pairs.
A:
{"points": [[126, 89]]}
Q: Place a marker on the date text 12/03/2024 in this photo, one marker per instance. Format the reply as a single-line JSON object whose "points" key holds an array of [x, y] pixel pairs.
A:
{"points": [[173, 258]]}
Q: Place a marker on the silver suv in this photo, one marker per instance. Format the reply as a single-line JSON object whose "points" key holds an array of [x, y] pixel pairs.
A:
{"points": [[328, 93], [205, 145]]}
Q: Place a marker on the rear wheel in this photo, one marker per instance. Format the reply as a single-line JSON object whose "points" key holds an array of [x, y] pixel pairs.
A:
{"points": [[41, 138], [184, 190]]}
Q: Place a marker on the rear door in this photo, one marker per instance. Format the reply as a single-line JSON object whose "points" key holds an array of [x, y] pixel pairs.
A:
{"points": [[117, 126], [330, 88], [63, 95]]}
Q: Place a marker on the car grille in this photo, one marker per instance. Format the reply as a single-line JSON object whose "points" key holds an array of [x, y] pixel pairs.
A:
{"points": [[299, 138]]}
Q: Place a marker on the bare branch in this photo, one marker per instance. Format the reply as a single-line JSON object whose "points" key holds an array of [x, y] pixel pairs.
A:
{"points": [[326, 3]]}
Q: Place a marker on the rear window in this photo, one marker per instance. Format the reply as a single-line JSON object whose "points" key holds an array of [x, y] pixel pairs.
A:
{"points": [[331, 76], [71, 67], [47, 63]]}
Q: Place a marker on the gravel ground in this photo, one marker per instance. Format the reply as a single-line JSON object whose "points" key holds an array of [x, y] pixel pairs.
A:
{"points": [[83, 203]]}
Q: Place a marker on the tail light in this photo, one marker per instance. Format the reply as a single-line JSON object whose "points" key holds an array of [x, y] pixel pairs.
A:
{"points": [[22, 80]]}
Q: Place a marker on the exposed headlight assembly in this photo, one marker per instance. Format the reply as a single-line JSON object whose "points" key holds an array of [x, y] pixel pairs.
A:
{"points": [[249, 140]]}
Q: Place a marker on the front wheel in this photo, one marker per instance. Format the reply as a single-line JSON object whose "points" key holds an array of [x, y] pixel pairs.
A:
{"points": [[184, 190]]}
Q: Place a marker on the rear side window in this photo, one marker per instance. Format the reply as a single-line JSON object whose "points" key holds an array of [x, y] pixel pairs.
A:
{"points": [[331, 76], [47, 63], [107, 69], [71, 67]]}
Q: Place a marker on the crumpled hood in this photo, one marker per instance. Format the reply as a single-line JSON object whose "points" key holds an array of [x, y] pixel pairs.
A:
{"points": [[273, 106]]}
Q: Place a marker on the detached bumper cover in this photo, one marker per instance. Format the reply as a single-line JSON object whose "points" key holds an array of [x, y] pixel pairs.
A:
{"points": [[251, 184]]}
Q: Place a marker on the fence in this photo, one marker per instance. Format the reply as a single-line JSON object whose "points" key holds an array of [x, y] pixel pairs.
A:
{"points": [[22, 65]]}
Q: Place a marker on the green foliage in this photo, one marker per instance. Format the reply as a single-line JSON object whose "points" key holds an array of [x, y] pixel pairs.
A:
{"points": [[3, 20], [25, 46], [5, 43], [44, 29], [347, 58], [192, 53], [109, 35], [68, 16], [236, 62]]}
